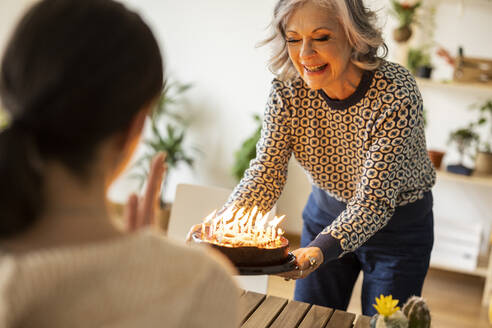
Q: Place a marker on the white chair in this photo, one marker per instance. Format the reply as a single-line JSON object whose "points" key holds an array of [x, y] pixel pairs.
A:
{"points": [[191, 204]]}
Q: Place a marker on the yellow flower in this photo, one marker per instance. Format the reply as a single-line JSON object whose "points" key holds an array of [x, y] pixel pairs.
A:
{"points": [[490, 311], [386, 305]]}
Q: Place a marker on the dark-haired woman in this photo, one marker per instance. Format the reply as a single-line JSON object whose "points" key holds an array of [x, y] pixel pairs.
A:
{"points": [[354, 123], [78, 79]]}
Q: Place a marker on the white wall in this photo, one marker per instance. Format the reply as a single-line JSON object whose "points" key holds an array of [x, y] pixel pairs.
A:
{"points": [[212, 45], [10, 11]]}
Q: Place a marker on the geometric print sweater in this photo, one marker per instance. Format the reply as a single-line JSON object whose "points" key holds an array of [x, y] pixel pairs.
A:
{"points": [[368, 151]]}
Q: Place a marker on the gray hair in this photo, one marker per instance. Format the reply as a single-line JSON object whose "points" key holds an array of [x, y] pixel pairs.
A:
{"points": [[357, 21]]}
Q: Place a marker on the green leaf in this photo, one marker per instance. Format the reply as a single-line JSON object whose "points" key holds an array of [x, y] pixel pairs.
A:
{"points": [[247, 151], [168, 137], [143, 160]]}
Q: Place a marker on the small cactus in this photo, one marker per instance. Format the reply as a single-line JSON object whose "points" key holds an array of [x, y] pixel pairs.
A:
{"points": [[389, 315], [417, 312], [396, 320]]}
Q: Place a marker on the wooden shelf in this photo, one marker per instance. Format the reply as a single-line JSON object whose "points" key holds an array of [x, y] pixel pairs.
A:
{"points": [[484, 87], [477, 180], [480, 271], [480, 180], [469, 2]]}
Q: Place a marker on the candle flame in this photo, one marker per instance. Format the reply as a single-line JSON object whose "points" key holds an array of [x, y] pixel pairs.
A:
{"points": [[241, 227]]}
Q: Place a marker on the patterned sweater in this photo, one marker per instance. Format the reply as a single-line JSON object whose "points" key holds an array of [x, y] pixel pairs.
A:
{"points": [[368, 150]]}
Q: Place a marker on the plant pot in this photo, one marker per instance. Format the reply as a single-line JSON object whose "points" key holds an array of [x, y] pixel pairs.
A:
{"points": [[483, 163], [161, 215], [436, 158], [402, 33], [459, 169], [424, 71]]}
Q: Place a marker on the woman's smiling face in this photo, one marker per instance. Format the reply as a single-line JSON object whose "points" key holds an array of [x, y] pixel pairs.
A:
{"points": [[317, 46]]}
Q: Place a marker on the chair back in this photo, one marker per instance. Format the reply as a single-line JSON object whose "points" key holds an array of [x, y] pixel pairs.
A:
{"points": [[191, 204]]}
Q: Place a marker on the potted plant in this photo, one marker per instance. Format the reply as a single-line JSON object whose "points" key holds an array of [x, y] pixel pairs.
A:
{"points": [[404, 11], [247, 151], [414, 314], [465, 139], [435, 155], [419, 62], [168, 132], [483, 161]]}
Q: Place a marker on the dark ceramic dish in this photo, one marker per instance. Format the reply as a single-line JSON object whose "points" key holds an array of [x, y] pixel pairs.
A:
{"points": [[290, 265], [254, 258]]}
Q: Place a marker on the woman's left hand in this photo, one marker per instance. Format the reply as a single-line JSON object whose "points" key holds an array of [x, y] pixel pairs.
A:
{"points": [[139, 211], [308, 259]]}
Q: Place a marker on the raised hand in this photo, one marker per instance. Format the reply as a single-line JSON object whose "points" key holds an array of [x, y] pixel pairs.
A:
{"points": [[140, 211]]}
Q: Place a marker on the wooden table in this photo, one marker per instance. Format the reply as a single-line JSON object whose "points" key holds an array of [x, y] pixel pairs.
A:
{"points": [[262, 311]]}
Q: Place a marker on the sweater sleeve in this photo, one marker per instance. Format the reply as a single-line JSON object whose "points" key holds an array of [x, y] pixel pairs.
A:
{"points": [[265, 178], [383, 175]]}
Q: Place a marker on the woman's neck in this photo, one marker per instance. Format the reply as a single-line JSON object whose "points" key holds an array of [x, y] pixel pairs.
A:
{"points": [[74, 212], [346, 85]]}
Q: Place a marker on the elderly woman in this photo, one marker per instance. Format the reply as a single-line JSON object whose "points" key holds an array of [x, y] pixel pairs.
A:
{"points": [[354, 123]]}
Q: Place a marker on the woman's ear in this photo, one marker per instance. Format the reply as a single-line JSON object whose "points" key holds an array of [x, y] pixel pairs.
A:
{"points": [[130, 137], [127, 140], [134, 130]]}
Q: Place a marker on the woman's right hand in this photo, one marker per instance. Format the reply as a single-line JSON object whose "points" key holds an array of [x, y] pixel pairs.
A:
{"points": [[192, 229], [199, 225]]}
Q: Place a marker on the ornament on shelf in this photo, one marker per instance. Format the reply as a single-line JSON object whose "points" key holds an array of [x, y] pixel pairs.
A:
{"points": [[404, 11]]}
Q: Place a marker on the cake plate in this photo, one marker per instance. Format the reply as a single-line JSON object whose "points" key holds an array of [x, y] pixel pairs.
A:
{"points": [[289, 265]]}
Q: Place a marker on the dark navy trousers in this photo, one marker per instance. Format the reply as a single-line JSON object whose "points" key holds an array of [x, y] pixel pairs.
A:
{"points": [[394, 261]]}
